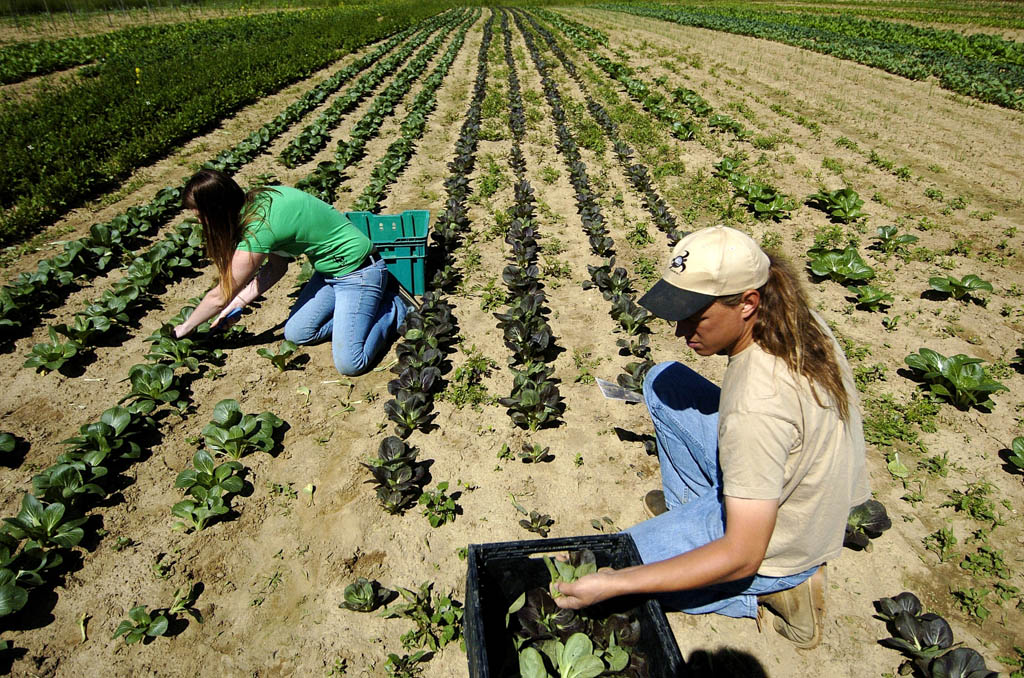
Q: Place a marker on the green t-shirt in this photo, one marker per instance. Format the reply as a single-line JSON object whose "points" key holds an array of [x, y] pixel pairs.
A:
{"points": [[289, 222]]}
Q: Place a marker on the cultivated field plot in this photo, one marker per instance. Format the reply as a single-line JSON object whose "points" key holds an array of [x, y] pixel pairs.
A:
{"points": [[544, 143]]}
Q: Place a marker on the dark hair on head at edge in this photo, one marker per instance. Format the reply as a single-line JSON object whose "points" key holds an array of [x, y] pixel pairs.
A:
{"points": [[787, 329], [225, 211]]}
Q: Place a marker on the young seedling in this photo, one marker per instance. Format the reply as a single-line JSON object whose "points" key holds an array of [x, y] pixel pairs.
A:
{"points": [[538, 522], [535, 454], [890, 242], [365, 595], [141, 625], [438, 618], [1017, 453], [207, 479], [438, 507], [870, 297], [281, 356], [406, 665]]}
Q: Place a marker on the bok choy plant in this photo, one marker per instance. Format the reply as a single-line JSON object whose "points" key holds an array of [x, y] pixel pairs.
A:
{"points": [[235, 434], [959, 379]]}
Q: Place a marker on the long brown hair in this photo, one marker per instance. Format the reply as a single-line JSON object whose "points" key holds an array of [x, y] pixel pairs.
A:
{"points": [[786, 328], [225, 211]]}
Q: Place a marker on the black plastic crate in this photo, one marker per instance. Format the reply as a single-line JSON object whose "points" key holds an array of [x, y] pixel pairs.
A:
{"points": [[498, 573]]}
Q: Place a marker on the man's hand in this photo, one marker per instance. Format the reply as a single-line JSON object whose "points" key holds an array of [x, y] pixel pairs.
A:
{"points": [[588, 590]]}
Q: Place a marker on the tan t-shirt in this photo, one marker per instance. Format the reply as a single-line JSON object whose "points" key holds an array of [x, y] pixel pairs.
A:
{"points": [[776, 442]]}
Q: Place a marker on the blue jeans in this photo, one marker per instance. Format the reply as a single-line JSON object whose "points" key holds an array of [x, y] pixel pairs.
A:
{"points": [[361, 311], [684, 408]]}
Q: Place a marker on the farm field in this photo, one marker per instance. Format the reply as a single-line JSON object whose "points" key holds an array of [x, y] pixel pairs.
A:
{"points": [[613, 133]]}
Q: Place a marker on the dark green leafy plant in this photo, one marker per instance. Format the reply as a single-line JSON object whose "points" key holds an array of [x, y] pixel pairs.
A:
{"points": [[235, 434], [538, 522], [398, 476], [890, 241], [410, 411], [870, 297], [923, 637], [184, 352], [959, 379], [962, 289], [111, 435], [574, 659], [52, 355], [1016, 456], [867, 521], [842, 266], [961, 662], [841, 205], [406, 665], [365, 595], [84, 329], [7, 442], [888, 608], [65, 482], [535, 454], [44, 526], [281, 356], [153, 385], [197, 513], [208, 479]]}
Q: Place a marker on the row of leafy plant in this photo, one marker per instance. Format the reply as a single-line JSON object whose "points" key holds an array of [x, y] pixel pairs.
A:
{"points": [[637, 173], [55, 515], [534, 400], [760, 199], [175, 256], [323, 182], [400, 151], [399, 478], [430, 330], [109, 242], [662, 107], [985, 67], [315, 136], [68, 143], [614, 283]]}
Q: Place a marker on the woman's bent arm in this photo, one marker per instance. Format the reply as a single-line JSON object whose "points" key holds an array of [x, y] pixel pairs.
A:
{"points": [[244, 265], [738, 554]]}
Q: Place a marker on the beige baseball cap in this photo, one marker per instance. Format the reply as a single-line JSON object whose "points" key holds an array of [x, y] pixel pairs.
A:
{"points": [[709, 263]]}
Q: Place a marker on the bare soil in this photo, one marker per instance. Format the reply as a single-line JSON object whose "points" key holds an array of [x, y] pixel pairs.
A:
{"points": [[274, 574]]}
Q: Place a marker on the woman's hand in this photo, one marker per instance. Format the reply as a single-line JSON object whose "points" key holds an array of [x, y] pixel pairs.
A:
{"points": [[180, 331]]}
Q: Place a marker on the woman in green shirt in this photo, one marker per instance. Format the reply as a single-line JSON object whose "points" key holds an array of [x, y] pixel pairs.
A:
{"points": [[251, 237]]}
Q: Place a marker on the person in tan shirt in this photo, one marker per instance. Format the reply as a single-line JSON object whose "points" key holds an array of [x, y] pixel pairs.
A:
{"points": [[759, 475]]}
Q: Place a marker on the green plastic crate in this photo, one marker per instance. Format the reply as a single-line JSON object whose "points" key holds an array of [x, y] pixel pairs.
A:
{"points": [[401, 240]]}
